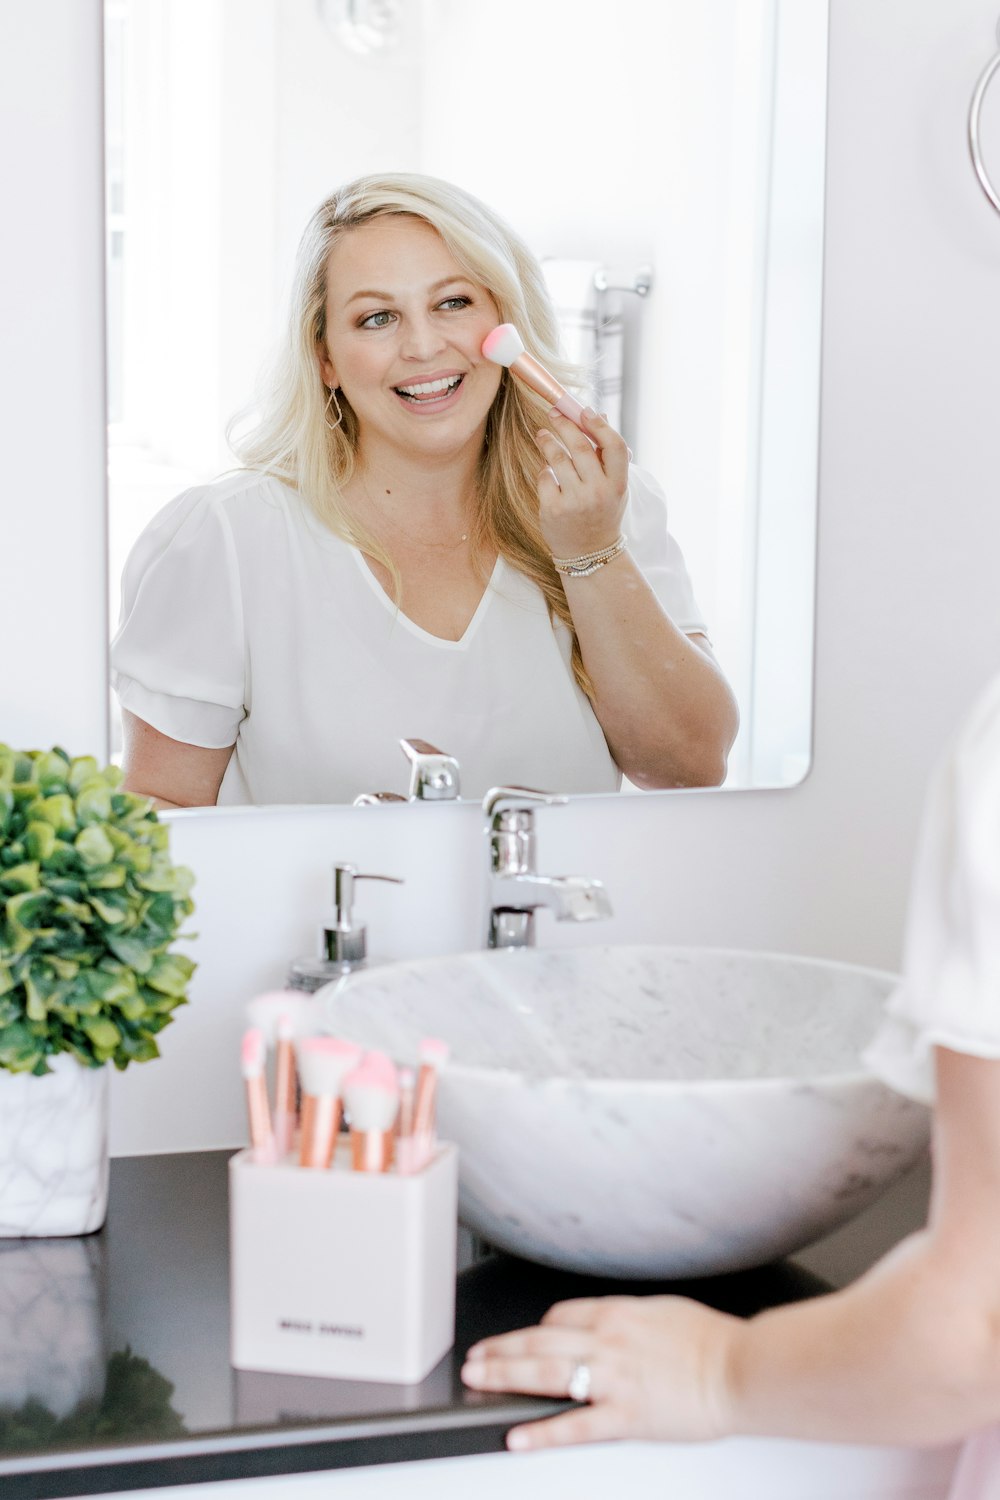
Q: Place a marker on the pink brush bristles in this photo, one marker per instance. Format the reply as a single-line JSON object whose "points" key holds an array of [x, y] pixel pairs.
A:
{"points": [[504, 346], [253, 1052], [371, 1094]]}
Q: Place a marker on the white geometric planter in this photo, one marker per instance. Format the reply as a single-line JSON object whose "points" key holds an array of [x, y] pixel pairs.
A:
{"points": [[53, 1150]]}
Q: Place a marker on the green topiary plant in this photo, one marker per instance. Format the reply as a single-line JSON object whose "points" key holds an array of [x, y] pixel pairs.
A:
{"points": [[89, 906]]}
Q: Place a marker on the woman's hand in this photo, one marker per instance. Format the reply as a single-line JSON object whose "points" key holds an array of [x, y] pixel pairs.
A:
{"points": [[658, 1370], [666, 710], [583, 489]]}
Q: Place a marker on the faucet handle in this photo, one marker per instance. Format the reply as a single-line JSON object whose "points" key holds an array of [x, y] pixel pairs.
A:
{"points": [[517, 799], [434, 776], [510, 826]]}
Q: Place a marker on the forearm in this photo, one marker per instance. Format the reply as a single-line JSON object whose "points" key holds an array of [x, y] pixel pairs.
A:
{"points": [[904, 1355], [667, 711], [160, 803], [170, 772]]}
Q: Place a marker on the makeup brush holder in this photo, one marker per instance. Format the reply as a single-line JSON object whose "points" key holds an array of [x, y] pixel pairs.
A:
{"points": [[341, 1273]]}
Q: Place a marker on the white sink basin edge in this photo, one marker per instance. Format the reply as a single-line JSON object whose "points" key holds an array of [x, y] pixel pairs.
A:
{"points": [[649, 1112]]}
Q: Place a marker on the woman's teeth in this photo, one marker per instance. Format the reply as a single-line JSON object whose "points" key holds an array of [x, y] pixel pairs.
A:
{"points": [[428, 388]]}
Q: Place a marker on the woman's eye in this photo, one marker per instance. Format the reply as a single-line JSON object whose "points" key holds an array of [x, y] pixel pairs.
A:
{"points": [[456, 302], [376, 320]]}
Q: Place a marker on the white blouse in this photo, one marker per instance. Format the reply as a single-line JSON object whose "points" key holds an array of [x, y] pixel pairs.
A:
{"points": [[245, 620], [950, 993]]}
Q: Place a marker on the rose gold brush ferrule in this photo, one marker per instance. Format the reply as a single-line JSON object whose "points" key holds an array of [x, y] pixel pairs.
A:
{"points": [[371, 1150], [320, 1127], [285, 1112], [546, 386]]}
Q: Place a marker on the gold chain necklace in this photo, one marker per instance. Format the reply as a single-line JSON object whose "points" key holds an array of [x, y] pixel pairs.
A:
{"points": [[414, 541]]}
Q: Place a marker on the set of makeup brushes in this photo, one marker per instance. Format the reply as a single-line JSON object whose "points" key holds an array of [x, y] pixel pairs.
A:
{"points": [[326, 1088]]}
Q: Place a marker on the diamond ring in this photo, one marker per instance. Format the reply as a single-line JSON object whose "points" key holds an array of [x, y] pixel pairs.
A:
{"points": [[579, 1383]]}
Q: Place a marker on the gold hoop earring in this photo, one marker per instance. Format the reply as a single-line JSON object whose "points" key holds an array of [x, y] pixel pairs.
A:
{"points": [[326, 410]]}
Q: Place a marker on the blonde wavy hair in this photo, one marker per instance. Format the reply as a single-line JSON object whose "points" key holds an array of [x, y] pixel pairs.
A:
{"points": [[290, 437]]}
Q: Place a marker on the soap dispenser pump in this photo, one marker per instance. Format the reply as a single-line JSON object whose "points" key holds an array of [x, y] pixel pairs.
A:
{"points": [[344, 944]]}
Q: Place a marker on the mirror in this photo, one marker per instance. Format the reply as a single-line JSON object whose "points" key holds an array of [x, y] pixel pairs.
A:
{"points": [[678, 146]]}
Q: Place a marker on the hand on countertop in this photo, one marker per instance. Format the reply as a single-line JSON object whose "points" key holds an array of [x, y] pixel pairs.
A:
{"points": [[655, 1369]]}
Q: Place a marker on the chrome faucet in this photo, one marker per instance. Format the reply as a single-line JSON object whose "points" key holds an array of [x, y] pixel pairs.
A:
{"points": [[516, 888], [434, 777], [433, 774]]}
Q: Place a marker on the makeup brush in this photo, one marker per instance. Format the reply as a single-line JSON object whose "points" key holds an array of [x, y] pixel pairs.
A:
{"points": [[371, 1095], [286, 1113], [324, 1061], [264, 1011], [405, 1157], [504, 347], [433, 1056], [252, 1057], [282, 1015], [382, 1064]]}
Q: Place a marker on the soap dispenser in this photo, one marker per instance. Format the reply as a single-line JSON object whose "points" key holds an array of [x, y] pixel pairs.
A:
{"points": [[344, 944]]}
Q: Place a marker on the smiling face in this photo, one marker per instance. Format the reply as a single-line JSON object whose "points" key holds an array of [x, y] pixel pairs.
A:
{"points": [[404, 332]]}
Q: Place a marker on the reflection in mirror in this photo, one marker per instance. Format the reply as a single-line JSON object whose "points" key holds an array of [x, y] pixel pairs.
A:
{"points": [[228, 125]]}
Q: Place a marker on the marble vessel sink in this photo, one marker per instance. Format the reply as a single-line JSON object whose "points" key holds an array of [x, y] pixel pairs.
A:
{"points": [[649, 1111]]}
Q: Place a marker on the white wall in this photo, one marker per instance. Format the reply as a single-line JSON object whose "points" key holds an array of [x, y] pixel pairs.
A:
{"points": [[53, 541], [908, 626]]}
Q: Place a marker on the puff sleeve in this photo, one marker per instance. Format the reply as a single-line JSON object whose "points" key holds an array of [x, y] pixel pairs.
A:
{"points": [[178, 658], [950, 994], [656, 553]]}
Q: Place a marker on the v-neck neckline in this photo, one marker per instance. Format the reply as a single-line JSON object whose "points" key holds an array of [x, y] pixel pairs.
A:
{"points": [[411, 625]]}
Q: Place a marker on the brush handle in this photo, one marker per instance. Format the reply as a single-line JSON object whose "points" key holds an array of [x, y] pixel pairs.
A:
{"points": [[320, 1128], [284, 1096], [535, 375], [259, 1115]]}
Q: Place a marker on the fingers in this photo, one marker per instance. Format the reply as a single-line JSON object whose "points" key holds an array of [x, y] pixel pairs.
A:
{"points": [[529, 1341], [547, 1374], [548, 484], [612, 451], [586, 1424], [583, 489], [549, 1334], [561, 462], [579, 1312], [595, 448]]}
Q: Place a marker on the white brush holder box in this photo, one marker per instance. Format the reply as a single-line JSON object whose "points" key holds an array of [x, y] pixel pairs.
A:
{"points": [[340, 1273]]}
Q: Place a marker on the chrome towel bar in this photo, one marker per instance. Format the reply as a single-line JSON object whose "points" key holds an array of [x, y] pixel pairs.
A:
{"points": [[642, 279], [975, 111]]}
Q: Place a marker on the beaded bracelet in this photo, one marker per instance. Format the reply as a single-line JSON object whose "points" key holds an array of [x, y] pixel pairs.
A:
{"points": [[589, 562]]}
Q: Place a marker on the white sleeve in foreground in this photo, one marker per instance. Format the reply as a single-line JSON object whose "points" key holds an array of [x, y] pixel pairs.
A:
{"points": [[950, 994]]}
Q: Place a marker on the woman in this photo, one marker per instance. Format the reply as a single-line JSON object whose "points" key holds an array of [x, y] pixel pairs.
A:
{"points": [[404, 552], [911, 1352]]}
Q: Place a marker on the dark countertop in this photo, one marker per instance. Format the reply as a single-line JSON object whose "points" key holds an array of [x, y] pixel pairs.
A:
{"points": [[114, 1353]]}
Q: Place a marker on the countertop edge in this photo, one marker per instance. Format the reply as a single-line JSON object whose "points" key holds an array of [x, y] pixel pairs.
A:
{"points": [[431, 1433]]}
